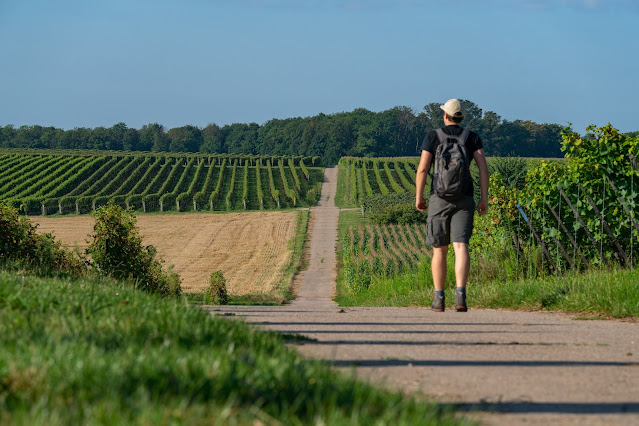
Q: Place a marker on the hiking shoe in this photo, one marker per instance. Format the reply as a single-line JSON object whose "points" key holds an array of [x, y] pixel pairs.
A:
{"points": [[460, 302], [438, 303]]}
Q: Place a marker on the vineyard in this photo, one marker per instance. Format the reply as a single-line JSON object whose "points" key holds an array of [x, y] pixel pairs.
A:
{"points": [[58, 182], [372, 251], [363, 177]]}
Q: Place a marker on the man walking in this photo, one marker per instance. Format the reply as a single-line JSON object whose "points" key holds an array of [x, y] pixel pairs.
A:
{"points": [[451, 206]]}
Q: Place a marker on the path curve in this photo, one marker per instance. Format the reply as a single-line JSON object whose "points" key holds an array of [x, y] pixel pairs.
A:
{"points": [[505, 367]]}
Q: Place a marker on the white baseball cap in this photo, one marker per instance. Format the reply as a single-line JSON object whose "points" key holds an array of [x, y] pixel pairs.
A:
{"points": [[453, 108]]}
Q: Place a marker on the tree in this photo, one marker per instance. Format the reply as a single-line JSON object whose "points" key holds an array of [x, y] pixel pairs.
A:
{"points": [[131, 141], [115, 140], [7, 133], [241, 138], [212, 139], [153, 138], [185, 139]]}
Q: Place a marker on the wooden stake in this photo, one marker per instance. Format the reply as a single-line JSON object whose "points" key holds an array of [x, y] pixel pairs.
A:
{"points": [[623, 203], [607, 228], [539, 240], [581, 221], [572, 240]]}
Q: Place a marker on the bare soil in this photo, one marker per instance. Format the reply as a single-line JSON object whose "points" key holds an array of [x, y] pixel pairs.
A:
{"points": [[251, 249]]}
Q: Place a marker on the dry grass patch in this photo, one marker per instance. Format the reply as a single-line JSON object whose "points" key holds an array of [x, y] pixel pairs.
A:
{"points": [[251, 249]]}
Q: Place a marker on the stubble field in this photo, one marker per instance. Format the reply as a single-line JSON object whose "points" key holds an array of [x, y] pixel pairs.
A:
{"points": [[251, 249]]}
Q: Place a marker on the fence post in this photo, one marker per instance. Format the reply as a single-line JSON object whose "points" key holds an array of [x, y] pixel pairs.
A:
{"points": [[539, 240], [633, 161], [608, 230]]}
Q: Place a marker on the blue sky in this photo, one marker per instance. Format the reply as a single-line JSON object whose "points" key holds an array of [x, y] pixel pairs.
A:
{"points": [[85, 63]]}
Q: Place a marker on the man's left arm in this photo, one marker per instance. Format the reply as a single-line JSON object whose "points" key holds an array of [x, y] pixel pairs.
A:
{"points": [[480, 159]]}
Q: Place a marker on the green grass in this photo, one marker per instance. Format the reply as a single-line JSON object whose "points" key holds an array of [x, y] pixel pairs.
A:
{"points": [[342, 196], [98, 352], [607, 293]]}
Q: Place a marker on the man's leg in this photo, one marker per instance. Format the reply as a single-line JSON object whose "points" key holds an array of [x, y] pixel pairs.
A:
{"points": [[462, 266], [438, 266]]}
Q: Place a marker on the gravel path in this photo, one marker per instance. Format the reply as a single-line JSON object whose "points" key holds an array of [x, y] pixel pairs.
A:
{"points": [[503, 367]]}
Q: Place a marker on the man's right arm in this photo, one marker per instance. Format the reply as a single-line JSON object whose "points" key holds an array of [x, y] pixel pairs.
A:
{"points": [[420, 180]]}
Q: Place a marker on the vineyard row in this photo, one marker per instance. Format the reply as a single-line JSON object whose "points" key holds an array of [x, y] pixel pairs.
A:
{"points": [[368, 176], [61, 184], [380, 250]]}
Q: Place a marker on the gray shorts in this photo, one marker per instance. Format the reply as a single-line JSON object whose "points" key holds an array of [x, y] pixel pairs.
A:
{"points": [[449, 221]]}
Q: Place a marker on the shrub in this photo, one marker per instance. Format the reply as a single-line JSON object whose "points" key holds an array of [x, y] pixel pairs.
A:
{"points": [[117, 251], [216, 291], [19, 242], [313, 194]]}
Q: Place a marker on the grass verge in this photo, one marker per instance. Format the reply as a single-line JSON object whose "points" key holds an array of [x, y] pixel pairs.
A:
{"points": [[99, 352], [604, 294], [343, 191]]}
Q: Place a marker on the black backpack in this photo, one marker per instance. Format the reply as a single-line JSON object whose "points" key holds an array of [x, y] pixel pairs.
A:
{"points": [[452, 166]]}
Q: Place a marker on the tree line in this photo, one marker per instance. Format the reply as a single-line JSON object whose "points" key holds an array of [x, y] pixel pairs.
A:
{"points": [[395, 132]]}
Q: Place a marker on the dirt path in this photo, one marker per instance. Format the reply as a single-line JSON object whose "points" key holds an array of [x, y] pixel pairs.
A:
{"points": [[316, 285], [504, 367]]}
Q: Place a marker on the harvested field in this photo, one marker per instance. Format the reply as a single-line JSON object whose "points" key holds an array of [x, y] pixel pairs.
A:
{"points": [[251, 249]]}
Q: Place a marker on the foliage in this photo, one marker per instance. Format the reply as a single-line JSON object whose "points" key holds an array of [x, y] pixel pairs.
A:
{"points": [[216, 291], [584, 178], [20, 242], [512, 170], [117, 251]]}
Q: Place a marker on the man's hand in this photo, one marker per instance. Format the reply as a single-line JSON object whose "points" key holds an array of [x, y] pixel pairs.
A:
{"points": [[482, 207], [420, 204]]}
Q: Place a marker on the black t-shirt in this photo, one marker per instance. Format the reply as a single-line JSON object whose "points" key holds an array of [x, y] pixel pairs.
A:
{"points": [[473, 143]]}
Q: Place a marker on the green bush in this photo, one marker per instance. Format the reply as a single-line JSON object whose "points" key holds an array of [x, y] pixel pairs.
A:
{"points": [[393, 208], [313, 194], [216, 291], [117, 251], [19, 242]]}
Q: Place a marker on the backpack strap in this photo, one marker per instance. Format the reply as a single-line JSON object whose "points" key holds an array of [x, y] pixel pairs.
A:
{"points": [[441, 135], [461, 138], [464, 136]]}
